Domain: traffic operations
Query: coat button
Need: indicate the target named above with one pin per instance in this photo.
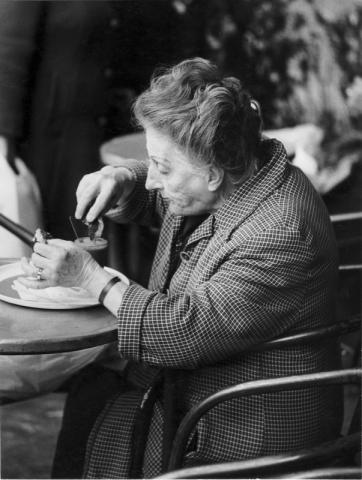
(185, 256)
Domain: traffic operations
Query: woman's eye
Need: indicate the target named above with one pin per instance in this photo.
(161, 168)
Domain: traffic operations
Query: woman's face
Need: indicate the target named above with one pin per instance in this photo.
(189, 188)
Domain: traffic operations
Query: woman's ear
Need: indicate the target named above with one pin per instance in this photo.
(215, 178)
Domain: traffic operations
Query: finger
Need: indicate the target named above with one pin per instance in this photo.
(47, 250)
(27, 268)
(59, 243)
(40, 262)
(35, 284)
(83, 206)
(83, 184)
(101, 204)
(37, 273)
(86, 199)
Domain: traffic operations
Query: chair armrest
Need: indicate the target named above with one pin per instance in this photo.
(294, 382)
(335, 330)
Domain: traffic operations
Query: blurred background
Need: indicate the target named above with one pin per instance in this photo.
(301, 59)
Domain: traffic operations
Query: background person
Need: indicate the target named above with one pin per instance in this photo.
(246, 253)
(69, 72)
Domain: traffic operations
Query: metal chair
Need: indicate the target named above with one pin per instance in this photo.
(310, 336)
(320, 455)
(328, 473)
(348, 231)
(350, 325)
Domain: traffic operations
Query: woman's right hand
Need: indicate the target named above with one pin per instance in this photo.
(100, 191)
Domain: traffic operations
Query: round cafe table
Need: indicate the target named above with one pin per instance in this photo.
(25, 330)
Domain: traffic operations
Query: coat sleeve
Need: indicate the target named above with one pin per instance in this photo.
(255, 295)
(18, 27)
(142, 207)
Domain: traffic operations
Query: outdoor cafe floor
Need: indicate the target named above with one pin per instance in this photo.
(29, 431)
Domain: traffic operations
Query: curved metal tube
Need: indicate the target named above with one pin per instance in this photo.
(294, 382)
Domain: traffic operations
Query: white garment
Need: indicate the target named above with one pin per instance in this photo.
(20, 201)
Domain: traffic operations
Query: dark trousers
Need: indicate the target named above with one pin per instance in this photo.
(88, 393)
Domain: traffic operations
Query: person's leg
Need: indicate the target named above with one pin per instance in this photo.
(88, 394)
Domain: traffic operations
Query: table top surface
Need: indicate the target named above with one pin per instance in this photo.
(25, 330)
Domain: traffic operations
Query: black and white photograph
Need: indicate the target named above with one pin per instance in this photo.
(180, 239)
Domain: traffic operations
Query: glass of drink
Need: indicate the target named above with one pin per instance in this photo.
(97, 247)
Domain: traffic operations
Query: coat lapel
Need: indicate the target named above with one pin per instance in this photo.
(161, 264)
(204, 230)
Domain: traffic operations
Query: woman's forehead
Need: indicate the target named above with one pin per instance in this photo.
(158, 144)
(162, 147)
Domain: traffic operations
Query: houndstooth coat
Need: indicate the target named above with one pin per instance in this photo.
(262, 266)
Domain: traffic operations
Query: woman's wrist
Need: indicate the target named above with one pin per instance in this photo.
(106, 289)
(114, 296)
(113, 291)
(97, 281)
(127, 179)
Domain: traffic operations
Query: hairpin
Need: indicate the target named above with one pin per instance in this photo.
(254, 105)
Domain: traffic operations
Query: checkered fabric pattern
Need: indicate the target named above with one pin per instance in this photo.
(263, 265)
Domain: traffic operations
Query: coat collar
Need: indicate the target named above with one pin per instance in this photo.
(204, 230)
(242, 203)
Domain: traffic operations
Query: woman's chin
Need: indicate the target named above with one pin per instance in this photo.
(184, 211)
(177, 209)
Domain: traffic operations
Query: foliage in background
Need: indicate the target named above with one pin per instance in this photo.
(299, 58)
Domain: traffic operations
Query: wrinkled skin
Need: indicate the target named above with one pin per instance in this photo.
(61, 264)
(99, 191)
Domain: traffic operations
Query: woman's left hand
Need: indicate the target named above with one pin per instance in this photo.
(58, 263)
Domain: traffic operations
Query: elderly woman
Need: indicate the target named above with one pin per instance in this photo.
(246, 253)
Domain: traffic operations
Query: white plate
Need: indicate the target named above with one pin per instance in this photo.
(8, 273)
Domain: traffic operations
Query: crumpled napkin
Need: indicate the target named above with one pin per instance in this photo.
(64, 295)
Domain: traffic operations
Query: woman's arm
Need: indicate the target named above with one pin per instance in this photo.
(256, 294)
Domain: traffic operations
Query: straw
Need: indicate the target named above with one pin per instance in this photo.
(73, 227)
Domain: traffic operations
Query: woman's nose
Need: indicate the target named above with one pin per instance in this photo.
(153, 178)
